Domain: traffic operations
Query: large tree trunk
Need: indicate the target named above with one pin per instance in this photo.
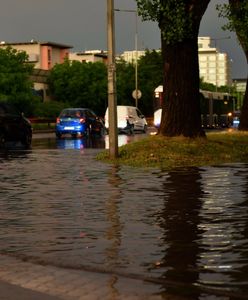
(243, 125)
(234, 7)
(181, 106)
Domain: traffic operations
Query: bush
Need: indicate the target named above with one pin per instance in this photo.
(50, 109)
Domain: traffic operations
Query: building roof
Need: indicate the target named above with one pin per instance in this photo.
(104, 55)
(45, 43)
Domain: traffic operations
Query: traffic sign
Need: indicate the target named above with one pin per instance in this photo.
(139, 94)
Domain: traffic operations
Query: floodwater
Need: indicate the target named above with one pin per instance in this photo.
(185, 230)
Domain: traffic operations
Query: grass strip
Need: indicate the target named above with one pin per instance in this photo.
(170, 152)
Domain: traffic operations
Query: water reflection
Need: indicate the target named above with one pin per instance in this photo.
(179, 219)
(186, 229)
(124, 139)
(224, 242)
(80, 143)
(113, 231)
(205, 234)
(94, 142)
(10, 154)
(47, 141)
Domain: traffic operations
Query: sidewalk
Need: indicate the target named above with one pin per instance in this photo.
(21, 280)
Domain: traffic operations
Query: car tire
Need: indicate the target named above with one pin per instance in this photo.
(58, 135)
(27, 140)
(101, 132)
(145, 129)
(87, 132)
(131, 130)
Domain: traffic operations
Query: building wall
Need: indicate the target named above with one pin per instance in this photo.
(32, 50)
(88, 57)
(44, 56)
(130, 56)
(214, 66)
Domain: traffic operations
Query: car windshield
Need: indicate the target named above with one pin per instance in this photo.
(72, 113)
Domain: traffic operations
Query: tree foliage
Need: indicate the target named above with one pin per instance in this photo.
(125, 82)
(80, 84)
(85, 84)
(150, 76)
(236, 12)
(176, 18)
(15, 83)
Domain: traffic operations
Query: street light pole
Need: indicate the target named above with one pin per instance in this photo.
(112, 102)
(136, 58)
(136, 50)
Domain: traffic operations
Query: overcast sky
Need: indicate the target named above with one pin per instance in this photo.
(82, 24)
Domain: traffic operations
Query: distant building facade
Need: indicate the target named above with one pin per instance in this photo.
(89, 56)
(130, 56)
(214, 66)
(44, 56)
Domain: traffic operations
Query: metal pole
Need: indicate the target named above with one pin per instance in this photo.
(136, 59)
(112, 102)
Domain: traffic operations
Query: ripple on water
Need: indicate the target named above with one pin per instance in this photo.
(187, 225)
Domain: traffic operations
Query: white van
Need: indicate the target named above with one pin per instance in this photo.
(129, 119)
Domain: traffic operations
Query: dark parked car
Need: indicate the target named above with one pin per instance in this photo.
(14, 127)
(78, 122)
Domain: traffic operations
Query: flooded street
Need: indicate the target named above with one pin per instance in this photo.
(185, 230)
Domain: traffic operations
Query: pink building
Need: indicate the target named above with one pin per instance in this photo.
(44, 56)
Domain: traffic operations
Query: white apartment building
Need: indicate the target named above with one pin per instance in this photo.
(89, 56)
(214, 66)
(130, 56)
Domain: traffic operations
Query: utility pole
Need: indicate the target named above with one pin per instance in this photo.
(136, 58)
(112, 102)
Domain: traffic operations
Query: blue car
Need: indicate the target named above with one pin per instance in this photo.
(78, 122)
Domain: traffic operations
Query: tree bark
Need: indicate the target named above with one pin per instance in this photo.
(243, 125)
(181, 106)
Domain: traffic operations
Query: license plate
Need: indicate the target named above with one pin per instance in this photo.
(68, 128)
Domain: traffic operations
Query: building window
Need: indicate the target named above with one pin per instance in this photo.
(49, 55)
(212, 57)
(212, 77)
(203, 65)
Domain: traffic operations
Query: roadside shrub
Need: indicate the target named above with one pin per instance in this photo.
(49, 109)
